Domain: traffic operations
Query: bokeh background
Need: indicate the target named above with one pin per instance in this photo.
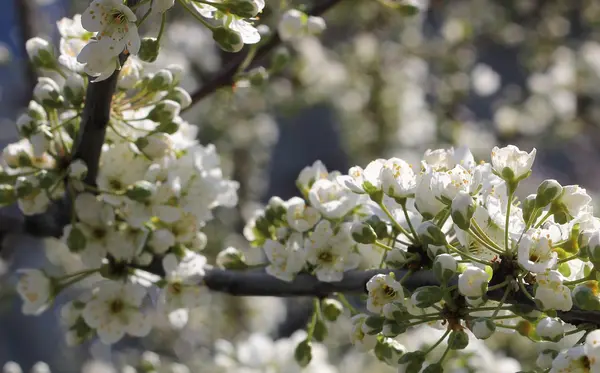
(376, 84)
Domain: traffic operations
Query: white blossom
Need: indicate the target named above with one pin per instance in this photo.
(285, 261)
(535, 252)
(299, 216)
(331, 199)
(330, 251)
(383, 289)
(115, 310)
(473, 282)
(36, 290)
(518, 162)
(551, 292)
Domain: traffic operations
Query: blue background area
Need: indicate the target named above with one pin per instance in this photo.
(14, 92)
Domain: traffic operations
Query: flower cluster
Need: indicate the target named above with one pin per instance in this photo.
(460, 220)
(155, 189)
(96, 41)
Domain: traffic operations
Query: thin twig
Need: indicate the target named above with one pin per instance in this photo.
(226, 76)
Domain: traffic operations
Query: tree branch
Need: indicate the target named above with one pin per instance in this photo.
(226, 76)
(259, 283)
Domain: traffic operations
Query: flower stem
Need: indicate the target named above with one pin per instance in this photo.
(383, 246)
(396, 225)
(438, 342)
(468, 256)
(544, 218)
(347, 304)
(504, 297)
(313, 321)
(511, 192)
(163, 22)
(412, 229)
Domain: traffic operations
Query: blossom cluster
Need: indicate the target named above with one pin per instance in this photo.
(457, 218)
(108, 30)
(155, 189)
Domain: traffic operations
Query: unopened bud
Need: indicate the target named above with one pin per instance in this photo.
(74, 89)
(149, 49)
(229, 40)
(141, 191)
(444, 267)
(181, 96)
(331, 309)
(548, 191)
(363, 233)
(427, 296)
(482, 328)
(41, 53)
(164, 112)
(458, 340)
(47, 93)
(431, 234)
(303, 353)
(463, 209)
(231, 258)
(161, 81)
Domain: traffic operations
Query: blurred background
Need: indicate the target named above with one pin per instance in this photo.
(376, 84)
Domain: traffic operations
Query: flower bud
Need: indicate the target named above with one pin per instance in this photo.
(593, 247)
(231, 258)
(25, 186)
(243, 8)
(458, 340)
(315, 25)
(150, 361)
(482, 328)
(363, 233)
(177, 71)
(389, 350)
(46, 180)
(434, 368)
(181, 96)
(381, 228)
(320, 331)
(149, 49)
(281, 57)
(168, 127)
(550, 329)
(258, 76)
(413, 361)
(8, 194)
(396, 311)
(161, 81)
(444, 267)
(331, 309)
(198, 243)
(525, 328)
(16, 155)
(141, 191)
(548, 191)
(76, 240)
(392, 328)
(37, 111)
(74, 89)
(373, 325)
(47, 93)
(585, 296)
(292, 25)
(229, 40)
(398, 258)
(463, 209)
(431, 234)
(529, 206)
(303, 353)
(164, 112)
(155, 146)
(427, 296)
(26, 125)
(41, 53)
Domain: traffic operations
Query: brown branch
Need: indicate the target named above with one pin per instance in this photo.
(259, 283)
(226, 76)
